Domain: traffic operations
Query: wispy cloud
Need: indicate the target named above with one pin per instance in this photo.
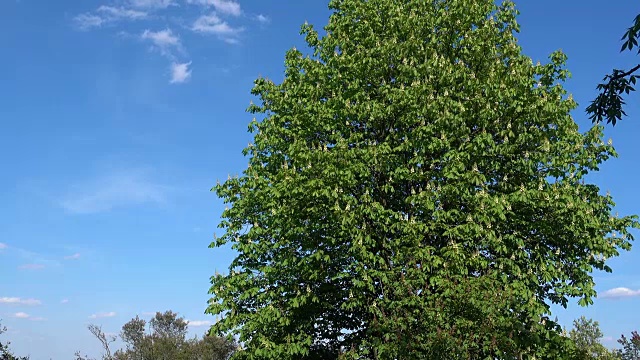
(168, 44)
(87, 21)
(263, 19)
(31, 267)
(107, 14)
(19, 301)
(619, 292)
(23, 315)
(64, 301)
(119, 189)
(102, 315)
(116, 13)
(119, 14)
(214, 25)
(3, 246)
(152, 4)
(180, 72)
(227, 7)
(165, 40)
(75, 256)
(198, 323)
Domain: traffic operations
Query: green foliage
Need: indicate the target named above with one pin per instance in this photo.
(587, 336)
(416, 190)
(169, 325)
(609, 102)
(133, 334)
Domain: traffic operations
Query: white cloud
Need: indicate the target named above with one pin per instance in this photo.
(64, 301)
(23, 315)
(167, 42)
(72, 257)
(19, 301)
(102, 315)
(119, 189)
(121, 13)
(619, 292)
(3, 246)
(31, 267)
(180, 72)
(157, 4)
(263, 19)
(197, 323)
(163, 38)
(228, 7)
(212, 24)
(107, 14)
(88, 21)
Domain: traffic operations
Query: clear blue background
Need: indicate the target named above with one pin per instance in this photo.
(106, 164)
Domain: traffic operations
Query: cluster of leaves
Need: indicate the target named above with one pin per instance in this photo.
(416, 189)
(609, 102)
(5, 352)
(165, 339)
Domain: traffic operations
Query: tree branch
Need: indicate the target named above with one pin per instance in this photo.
(626, 73)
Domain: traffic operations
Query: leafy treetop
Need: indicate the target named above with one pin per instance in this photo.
(416, 189)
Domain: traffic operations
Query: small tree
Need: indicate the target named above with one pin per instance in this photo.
(587, 336)
(415, 190)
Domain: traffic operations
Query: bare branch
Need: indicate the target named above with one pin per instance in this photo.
(103, 338)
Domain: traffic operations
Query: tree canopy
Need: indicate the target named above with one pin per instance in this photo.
(416, 189)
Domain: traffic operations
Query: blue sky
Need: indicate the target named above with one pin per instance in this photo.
(119, 115)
